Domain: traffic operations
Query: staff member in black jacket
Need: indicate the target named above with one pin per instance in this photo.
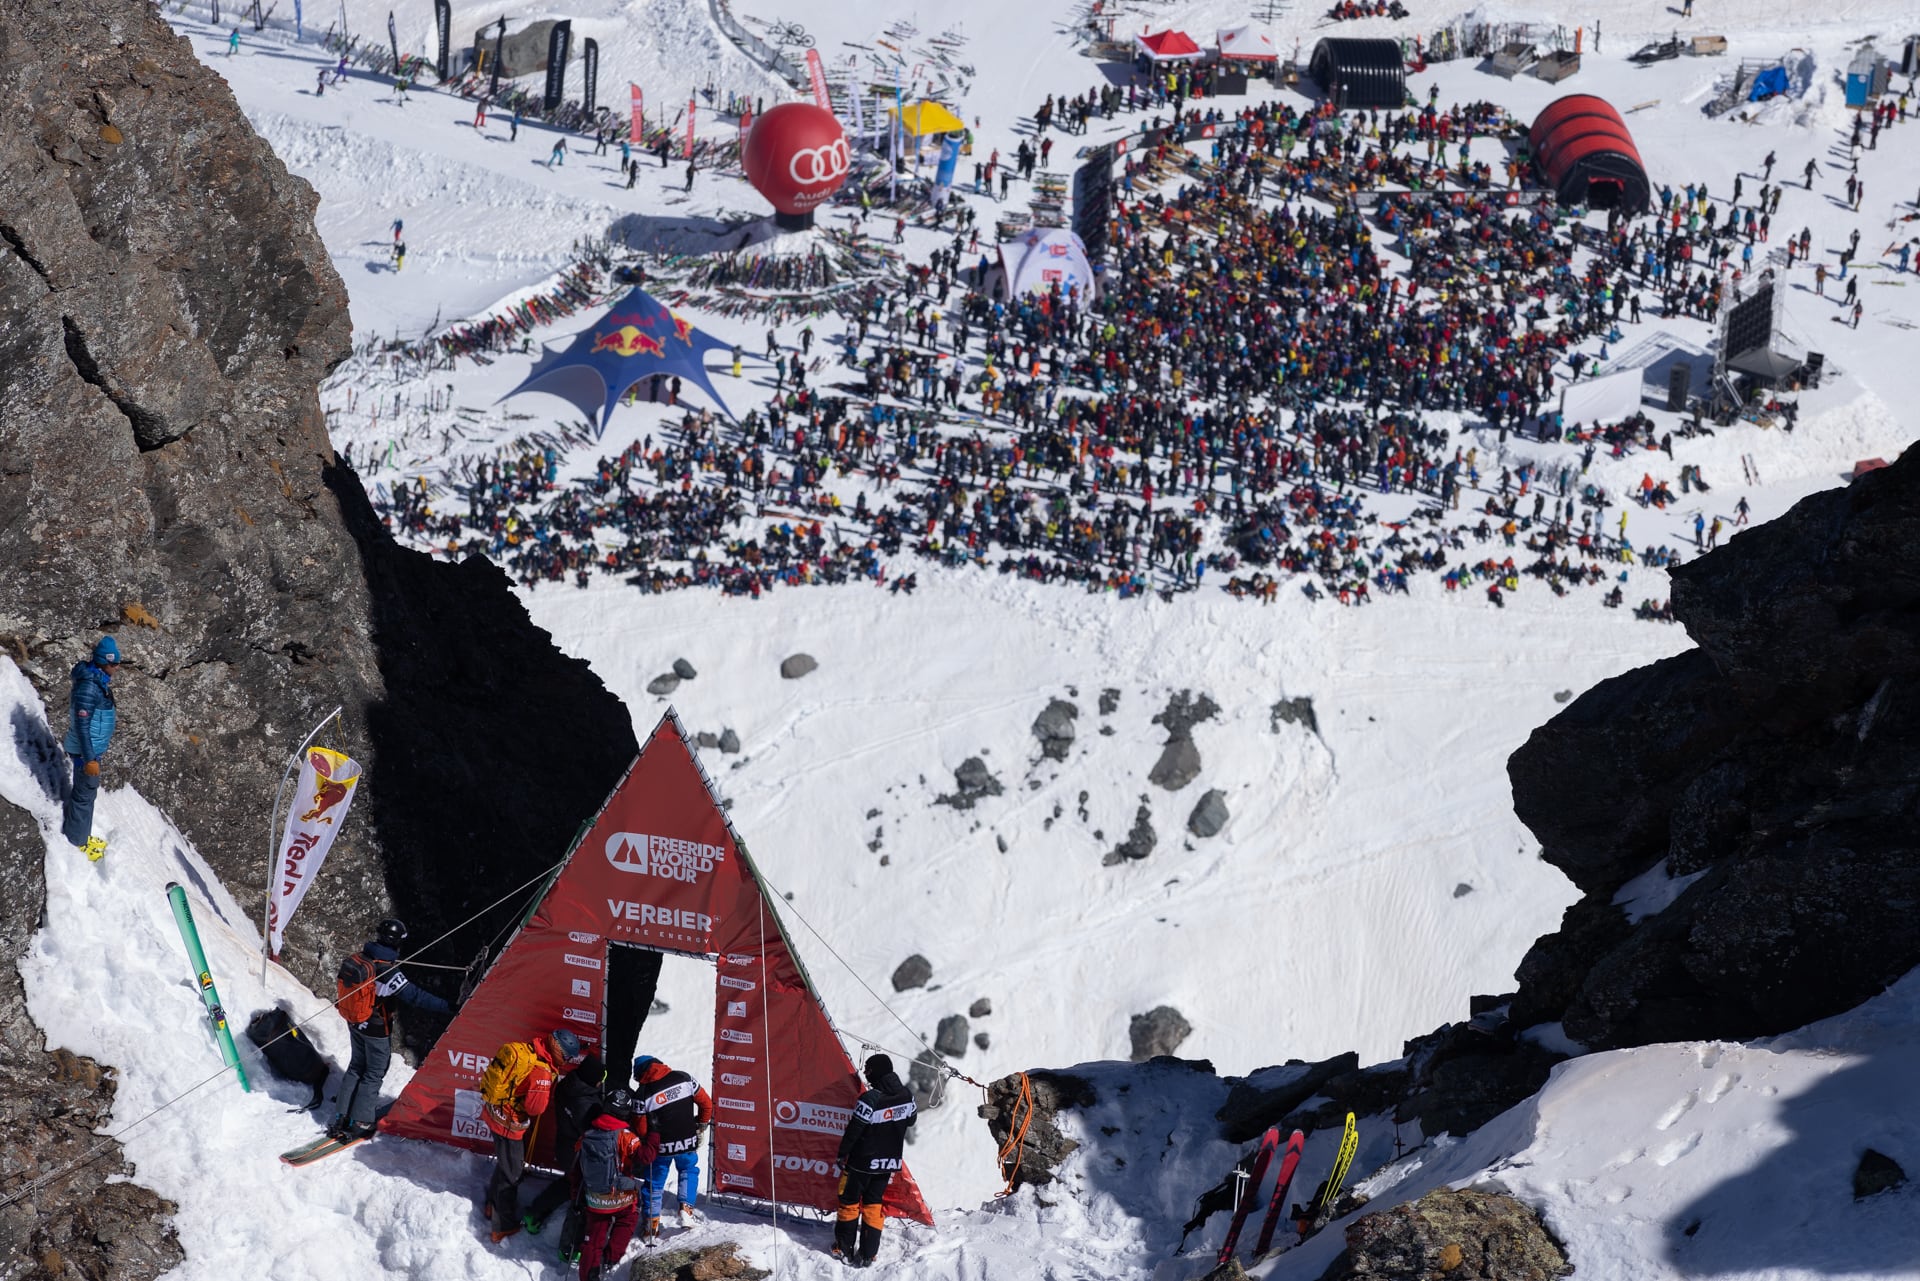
(869, 1154)
(578, 1098)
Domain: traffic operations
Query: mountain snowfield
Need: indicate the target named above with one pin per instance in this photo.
(1327, 915)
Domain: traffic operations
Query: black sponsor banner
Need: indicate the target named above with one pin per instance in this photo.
(559, 44)
(590, 72)
(499, 50)
(443, 23)
(1093, 203)
(393, 38)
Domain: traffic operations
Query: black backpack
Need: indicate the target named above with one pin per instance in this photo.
(288, 1052)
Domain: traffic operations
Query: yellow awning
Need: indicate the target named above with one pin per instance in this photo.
(925, 117)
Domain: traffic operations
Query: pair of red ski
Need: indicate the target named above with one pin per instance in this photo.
(1269, 1144)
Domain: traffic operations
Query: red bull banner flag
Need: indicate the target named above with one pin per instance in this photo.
(328, 781)
(634, 130)
(693, 107)
(661, 868)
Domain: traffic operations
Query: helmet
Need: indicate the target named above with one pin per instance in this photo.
(566, 1046)
(391, 933)
(641, 1064)
(618, 1103)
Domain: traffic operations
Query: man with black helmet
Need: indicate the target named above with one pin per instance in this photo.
(674, 1109)
(614, 1184)
(369, 982)
(870, 1149)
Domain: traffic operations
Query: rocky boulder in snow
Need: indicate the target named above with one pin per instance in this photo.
(720, 1262)
(1210, 815)
(972, 782)
(1139, 843)
(1463, 1234)
(951, 1038)
(684, 670)
(912, 972)
(794, 666)
(1776, 760)
(1054, 728)
(1158, 1031)
(663, 684)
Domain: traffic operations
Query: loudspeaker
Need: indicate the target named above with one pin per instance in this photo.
(1816, 363)
(1679, 384)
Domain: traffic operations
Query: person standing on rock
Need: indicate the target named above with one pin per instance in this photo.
(89, 731)
(870, 1153)
(370, 982)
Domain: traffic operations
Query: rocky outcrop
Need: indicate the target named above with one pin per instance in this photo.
(1159, 1031)
(1054, 728)
(1464, 1234)
(166, 314)
(86, 1220)
(722, 1262)
(1777, 760)
(1029, 1116)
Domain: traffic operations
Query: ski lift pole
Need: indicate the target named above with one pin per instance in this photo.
(183, 916)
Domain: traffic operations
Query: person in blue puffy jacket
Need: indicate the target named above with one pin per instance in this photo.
(89, 731)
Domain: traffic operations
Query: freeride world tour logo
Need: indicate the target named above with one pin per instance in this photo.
(666, 857)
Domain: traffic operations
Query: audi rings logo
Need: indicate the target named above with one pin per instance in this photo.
(813, 166)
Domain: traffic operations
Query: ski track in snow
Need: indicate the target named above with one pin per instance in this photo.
(1329, 895)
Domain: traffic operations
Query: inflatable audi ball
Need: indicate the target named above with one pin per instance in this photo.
(796, 156)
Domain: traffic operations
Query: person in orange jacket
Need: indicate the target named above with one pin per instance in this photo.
(516, 1088)
(614, 1167)
(673, 1109)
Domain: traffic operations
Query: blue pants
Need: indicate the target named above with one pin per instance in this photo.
(76, 820)
(689, 1163)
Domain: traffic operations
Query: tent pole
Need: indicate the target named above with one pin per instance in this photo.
(766, 1048)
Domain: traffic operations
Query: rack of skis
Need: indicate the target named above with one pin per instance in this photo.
(1240, 1191)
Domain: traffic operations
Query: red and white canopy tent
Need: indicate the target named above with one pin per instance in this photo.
(1167, 46)
(1246, 44)
(661, 868)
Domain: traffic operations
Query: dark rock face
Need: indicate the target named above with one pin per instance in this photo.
(1263, 1098)
(1043, 1148)
(1466, 1234)
(166, 314)
(1293, 711)
(1179, 764)
(1139, 843)
(794, 666)
(53, 1106)
(1159, 1031)
(1779, 759)
(1054, 728)
(721, 1262)
(971, 782)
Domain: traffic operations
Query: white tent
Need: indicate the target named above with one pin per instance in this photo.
(1246, 44)
(1034, 261)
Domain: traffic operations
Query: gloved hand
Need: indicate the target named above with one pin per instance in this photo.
(93, 769)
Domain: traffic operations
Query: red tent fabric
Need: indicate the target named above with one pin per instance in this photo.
(1168, 46)
(1866, 465)
(661, 868)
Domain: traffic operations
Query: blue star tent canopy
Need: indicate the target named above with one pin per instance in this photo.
(636, 339)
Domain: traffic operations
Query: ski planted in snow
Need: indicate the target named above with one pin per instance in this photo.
(1276, 1204)
(1249, 1188)
(1330, 1193)
(324, 1146)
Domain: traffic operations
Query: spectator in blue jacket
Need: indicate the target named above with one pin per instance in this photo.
(89, 731)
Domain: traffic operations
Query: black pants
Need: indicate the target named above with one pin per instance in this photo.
(503, 1190)
(859, 1219)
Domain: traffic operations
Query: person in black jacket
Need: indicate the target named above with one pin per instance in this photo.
(376, 965)
(580, 1096)
(870, 1150)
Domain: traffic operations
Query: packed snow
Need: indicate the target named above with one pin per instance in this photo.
(1372, 874)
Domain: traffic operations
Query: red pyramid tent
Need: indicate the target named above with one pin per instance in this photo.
(1168, 46)
(661, 868)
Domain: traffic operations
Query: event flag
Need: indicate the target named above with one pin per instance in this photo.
(693, 109)
(635, 130)
(328, 781)
(818, 75)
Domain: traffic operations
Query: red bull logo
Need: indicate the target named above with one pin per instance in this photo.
(628, 341)
(329, 793)
(682, 329)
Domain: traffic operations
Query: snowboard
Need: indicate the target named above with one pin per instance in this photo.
(324, 1146)
(1269, 1142)
(1281, 1182)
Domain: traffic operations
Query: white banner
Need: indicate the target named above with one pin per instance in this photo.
(1609, 399)
(328, 781)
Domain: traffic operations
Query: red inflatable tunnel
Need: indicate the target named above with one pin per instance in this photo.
(1581, 147)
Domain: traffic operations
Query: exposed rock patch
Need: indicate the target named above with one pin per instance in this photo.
(1465, 1234)
(1044, 1147)
(1210, 815)
(794, 666)
(972, 782)
(1159, 1031)
(1054, 728)
(912, 972)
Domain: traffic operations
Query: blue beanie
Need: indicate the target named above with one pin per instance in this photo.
(641, 1064)
(106, 651)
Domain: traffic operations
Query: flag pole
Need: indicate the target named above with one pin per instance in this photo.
(273, 825)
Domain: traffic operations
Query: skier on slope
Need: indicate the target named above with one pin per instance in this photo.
(615, 1190)
(579, 1096)
(369, 983)
(870, 1149)
(517, 1087)
(673, 1108)
(90, 724)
